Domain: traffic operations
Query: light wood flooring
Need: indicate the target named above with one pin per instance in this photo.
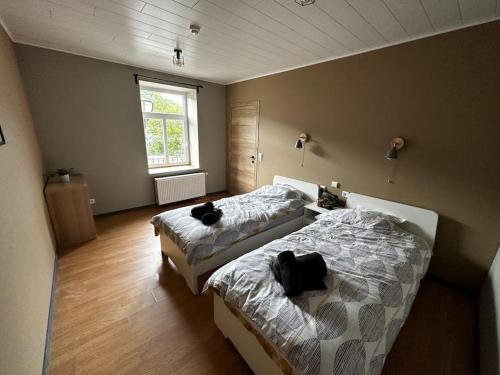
(120, 310)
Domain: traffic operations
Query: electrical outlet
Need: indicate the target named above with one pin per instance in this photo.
(345, 194)
(92, 201)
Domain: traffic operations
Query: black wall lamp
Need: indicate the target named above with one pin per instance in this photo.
(2, 139)
(396, 144)
(301, 140)
(392, 154)
(300, 144)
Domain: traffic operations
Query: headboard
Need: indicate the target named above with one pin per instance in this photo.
(419, 221)
(310, 190)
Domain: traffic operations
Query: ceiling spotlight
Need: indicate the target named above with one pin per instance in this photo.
(305, 2)
(195, 29)
(178, 59)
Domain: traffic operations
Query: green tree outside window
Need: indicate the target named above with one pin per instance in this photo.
(166, 104)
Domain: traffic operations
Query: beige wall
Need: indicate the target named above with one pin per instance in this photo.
(489, 321)
(442, 94)
(88, 116)
(26, 248)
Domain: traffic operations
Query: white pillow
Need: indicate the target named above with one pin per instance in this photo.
(363, 218)
(291, 192)
(282, 190)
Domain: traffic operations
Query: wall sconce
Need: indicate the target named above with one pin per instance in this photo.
(396, 145)
(300, 144)
(301, 140)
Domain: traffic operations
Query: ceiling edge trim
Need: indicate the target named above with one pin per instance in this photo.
(20, 41)
(472, 24)
(424, 36)
(7, 30)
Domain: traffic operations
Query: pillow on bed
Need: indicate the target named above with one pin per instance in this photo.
(363, 218)
(291, 192)
(286, 191)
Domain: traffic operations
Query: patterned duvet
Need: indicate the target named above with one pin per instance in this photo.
(243, 215)
(373, 277)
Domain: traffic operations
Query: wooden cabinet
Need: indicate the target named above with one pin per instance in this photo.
(70, 212)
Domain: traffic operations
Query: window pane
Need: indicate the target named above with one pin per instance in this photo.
(155, 141)
(160, 102)
(177, 142)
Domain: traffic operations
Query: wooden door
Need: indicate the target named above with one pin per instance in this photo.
(243, 143)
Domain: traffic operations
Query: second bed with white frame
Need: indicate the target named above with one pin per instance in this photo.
(191, 272)
(255, 349)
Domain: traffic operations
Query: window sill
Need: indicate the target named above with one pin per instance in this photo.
(173, 170)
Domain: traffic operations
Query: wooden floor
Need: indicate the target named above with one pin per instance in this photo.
(120, 310)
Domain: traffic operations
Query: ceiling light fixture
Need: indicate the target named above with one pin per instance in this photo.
(195, 29)
(178, 59)
(305, 2)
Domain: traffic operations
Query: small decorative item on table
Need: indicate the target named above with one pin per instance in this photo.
(64, 174)
(58, 175)
(328, 200)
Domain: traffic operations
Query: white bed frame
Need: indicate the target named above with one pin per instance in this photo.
(418, 221)
(191, 273)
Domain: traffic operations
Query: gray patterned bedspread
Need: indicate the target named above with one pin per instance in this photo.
(373, 277)
(243, 215)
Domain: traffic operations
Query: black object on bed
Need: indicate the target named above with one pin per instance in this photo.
(198, 211)
(298, 274)
(211, 217)
(207, 213)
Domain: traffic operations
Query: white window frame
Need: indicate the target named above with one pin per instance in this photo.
(169, 116)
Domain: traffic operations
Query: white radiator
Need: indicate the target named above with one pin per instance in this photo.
(178, 188)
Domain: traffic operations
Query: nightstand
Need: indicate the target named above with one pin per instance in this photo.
(312, 210)
(70, 212)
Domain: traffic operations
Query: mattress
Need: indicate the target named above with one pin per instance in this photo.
(243, 216)
(373, 277)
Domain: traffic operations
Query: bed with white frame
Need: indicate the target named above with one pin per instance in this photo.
(259, 353)
(191, 272)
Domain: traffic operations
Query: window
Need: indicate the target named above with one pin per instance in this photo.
(166, 124)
